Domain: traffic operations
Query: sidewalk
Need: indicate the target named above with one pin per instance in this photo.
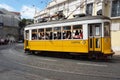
(117, 53)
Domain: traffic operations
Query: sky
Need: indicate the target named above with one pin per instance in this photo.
(25, 7)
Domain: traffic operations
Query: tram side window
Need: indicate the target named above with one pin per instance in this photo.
(41, 35)
(66, 32)
(77, 32)
(57, 33)
(34, 34)
(106, 29)
(48, 34)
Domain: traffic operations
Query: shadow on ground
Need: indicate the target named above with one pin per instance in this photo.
(62, 55)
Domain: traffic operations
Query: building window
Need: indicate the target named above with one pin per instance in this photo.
(115, 8)
(89, 9)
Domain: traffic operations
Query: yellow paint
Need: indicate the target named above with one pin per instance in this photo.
(78, 46)
(59, 45)
(91, 48)
(26, 44)
(94, 44)
(106, 45)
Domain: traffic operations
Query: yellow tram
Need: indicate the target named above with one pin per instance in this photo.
(85, 35)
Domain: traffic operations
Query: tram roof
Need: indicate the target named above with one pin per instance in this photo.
(70, 20)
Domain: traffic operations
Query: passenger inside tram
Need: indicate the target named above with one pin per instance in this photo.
(78, 35)
(51, 35)
(68, 35)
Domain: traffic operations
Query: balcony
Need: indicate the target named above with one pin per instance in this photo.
(40, 13)
(54, 3)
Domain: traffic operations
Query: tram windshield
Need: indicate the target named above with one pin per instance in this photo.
(27, 34)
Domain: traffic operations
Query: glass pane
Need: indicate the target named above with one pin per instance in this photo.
(34, 36)
(47, 36)
(89, 9)
(91, 29)
(67, 35)
(119, 10)
(98, 43)
(27, 34)
(97, 31)
(77, 34)
(57, 28)
(48, 29)
(57, 35)
(41, 30)
(34, 30)
(77, 27)
(41, 36)
(106, 29)
(67, 28)
(115, 8)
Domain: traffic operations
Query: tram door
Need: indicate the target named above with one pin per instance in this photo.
(95, 37)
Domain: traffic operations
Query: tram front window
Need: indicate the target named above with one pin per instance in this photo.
(27, 34)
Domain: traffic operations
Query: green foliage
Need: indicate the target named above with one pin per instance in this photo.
(25, 22)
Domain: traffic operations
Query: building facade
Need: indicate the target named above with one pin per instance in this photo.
(66, 9)
(114, 13)
(9, 24)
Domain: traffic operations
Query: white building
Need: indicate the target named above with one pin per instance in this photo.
(69, 8)
(9, 24)
(60, 9)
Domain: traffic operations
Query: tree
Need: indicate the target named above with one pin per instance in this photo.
(24, 22)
